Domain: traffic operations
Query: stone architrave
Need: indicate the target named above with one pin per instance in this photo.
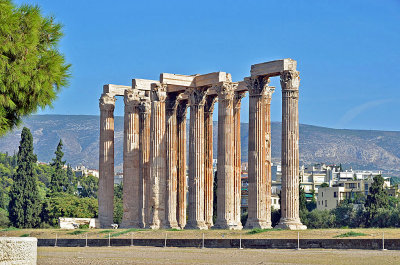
(172, 174)
(237, 167)
(106, 161)
(131, 217)
(257, 198)
(144, 164)
(181, 164)
(208, 160)
(158, 157)
(267, 99)
(197, 98)
(225, 164)
(290, 218)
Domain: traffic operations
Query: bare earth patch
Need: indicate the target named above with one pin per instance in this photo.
(154, 255)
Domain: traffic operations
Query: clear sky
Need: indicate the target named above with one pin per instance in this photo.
(348, 51)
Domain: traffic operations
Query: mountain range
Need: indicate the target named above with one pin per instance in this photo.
(359, 149)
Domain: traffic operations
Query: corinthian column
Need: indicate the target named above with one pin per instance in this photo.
(257, 198)
(130, 217)
(237, 168)
(196, 160)
(172, 140)
(106, 161)
(181, 123)
(225, 219)
(157, 157)
(144, 164)
(267, 106)
(290, 218)
(209, 174)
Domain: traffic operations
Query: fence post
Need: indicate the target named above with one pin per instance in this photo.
(298, 241)
(55, 244)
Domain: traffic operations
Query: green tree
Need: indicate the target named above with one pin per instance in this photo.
(24, 207)
(67, 205)
(89, 186)
(118, 204)
(58, 181)
(376, 199)
(71, 181)
(32, 70)
(324, 185)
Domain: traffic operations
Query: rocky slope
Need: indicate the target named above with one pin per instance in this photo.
(360, 149)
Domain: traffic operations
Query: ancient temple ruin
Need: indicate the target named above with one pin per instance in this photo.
(155, 184)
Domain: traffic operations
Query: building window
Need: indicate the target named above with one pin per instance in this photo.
(335, 194)
(322, 203)
(326, 203)
(319, 203)
(322, 194)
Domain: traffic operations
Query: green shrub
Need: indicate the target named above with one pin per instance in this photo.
(84, 226)
(77, 232)
(24, 235)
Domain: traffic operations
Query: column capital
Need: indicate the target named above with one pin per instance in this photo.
(158, 92)
(237, 100)
(225, 90)
(268, 94)
(131, 100)
(290, 80)
(210, 103)
(182, 110)
(256, 85)
(197, 96)
(107, 102)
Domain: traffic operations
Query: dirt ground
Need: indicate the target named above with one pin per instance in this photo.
(154, 255)
(390, 233)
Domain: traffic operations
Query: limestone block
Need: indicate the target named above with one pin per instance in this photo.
(115, 90)
(73, 223)
(177, 80)
(18, 250)
(273, 68)
(143, 84)
(212, 78)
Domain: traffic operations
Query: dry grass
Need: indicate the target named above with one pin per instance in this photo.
(136, 233)
(154, 255)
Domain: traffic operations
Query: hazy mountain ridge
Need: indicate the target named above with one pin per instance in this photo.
(361, 149)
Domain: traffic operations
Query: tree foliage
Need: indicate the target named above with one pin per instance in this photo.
(67, 205)
(24, 207)
(89, 186)
(376, 199)
(58, 181)
(32, 70)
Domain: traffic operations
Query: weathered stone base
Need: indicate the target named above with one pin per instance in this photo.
(225, 226)
(290, 225)
(171, 225)
(196, 225)
(262, 224)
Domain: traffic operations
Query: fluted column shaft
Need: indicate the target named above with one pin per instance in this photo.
(290, 218)
(267, 100)
(208, 152)
(257, 150)
(172, 174)
(130, 217)
(196, 160)
(182, 185)
(106, 161)
(157, 157)
(144, 150)
(225, 164)
(237, 188)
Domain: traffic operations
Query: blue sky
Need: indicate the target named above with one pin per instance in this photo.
(347, 51)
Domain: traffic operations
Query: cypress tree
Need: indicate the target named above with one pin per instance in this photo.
(24, 207)
(70, 180)
(58, 181)
(377, 199)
